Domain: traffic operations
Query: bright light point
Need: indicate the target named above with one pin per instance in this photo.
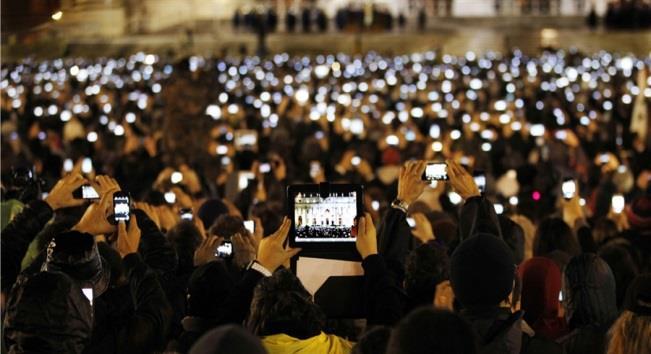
(91, 137)
(222, 150)
(119, 130)
(232, 109)
(535, 195)
(582, 202)
(170, 197)
(214, 111)
(375, 205)
(486, 147)
(435, 131)
(455, 134)
(513, 200)
(130, 117)
(417, 112)
(176, 177)
(302, 95)
(392, 140)
(57, 15)
(454, 198)
(437, 146)
(499, 208)
(475, 84)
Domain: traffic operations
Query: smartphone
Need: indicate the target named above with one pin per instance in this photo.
(499, 208)
(86, 165)
(249, 225)
(243, 179)
(246, 139)
(537, 130)
(392, 140)
(121, 206)
(170, 197)
(186, 214)
(85, 192)
(480, 180)
(618, 203)
(435, 171)
(225, 250)
(560, 296)
(88, 293)
(265, 167)
(355, 161)
(68, 165)
(604, 158)
(568, 188)
(176, 177)
(411, 222)
(315, 169)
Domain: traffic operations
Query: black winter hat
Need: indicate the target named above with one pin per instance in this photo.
(47, 313)
(75, 254)
(638, 295)
(228, 339)
(208, 287)
(482, 270)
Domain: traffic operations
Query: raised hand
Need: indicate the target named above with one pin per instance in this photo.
(206, 251)
(366, 242)
(271, 253)
(423, 230)
(461, 181)
(61, 194)
(95, 219)
(410, 184)
(128, 237)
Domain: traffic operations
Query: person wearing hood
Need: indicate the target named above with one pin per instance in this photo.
(541, 286)
(590, 303)
(482, 275)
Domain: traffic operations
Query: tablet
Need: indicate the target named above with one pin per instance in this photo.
(323, 216)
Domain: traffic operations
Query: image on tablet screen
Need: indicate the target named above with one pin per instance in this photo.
(329, 219)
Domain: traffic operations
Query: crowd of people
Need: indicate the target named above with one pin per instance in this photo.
(628, 14)
(517, 268)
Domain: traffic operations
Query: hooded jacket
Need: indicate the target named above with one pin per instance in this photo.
(47, 313)
(319, 344)
(541, 285)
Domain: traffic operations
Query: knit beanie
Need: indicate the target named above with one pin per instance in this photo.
(482, 271)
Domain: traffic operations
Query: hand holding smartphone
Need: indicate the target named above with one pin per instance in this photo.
(568, 188)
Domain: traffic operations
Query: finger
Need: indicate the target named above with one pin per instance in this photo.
(281, 235)
(292, 252)
(122, 228)
(369, 222)
(361, 227)
(133, 223)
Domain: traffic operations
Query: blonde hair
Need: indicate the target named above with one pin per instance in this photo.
(631, 333)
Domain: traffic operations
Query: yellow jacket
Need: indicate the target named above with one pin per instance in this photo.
(321, 344)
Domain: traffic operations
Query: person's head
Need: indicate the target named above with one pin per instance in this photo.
(425, 267)
(603, 230)
(631, 332)
(430, 331)
(209, 285)
(374, 341)
(639, 213)
(528, 231)
(622, 264)
(229, 339)
(589, 296)
(482, 272)
(184, 237)
(554, 234)
(513, 235)
(76, 254)
(47, 313)
(210, 210)
(270, 214)
(228, 225)
(541, 285)
(282, 305)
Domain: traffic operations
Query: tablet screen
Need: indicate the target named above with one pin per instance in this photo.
(329, 219)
